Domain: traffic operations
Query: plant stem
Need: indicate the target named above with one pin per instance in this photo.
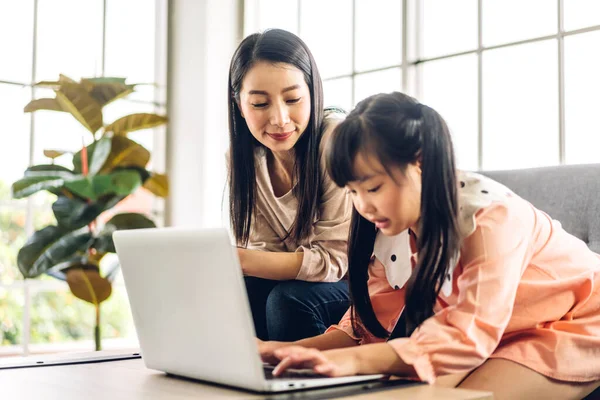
(97, 336)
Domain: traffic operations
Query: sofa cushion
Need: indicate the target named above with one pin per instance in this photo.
(568, 193)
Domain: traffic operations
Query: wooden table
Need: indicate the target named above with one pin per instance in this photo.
(129, 379)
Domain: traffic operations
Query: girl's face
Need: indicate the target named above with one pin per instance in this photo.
(275, 102)
(391, 202)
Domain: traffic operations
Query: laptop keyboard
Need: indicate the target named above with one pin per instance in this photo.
(291, 374)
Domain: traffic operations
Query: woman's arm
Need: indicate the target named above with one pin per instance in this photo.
(278, 266)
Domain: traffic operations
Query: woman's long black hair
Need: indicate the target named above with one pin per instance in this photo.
(398, 131)
(273, 46)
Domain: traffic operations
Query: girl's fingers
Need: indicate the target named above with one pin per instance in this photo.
(300, 358)
(286, 351)
(282, 366)
(325, 369)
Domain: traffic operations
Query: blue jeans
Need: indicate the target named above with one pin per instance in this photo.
(293, 310)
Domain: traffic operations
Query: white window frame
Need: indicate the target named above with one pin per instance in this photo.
(412, 45)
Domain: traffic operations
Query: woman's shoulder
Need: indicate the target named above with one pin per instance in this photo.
(332, 116)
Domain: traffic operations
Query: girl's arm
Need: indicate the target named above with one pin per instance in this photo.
(379, 358)
(387, 304)
(334, 339)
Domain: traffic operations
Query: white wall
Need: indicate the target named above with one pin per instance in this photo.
(203, 36)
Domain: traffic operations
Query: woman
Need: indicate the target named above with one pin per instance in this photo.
(290, 221)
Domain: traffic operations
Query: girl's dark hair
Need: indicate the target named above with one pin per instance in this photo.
(273, 46)
(398, 131)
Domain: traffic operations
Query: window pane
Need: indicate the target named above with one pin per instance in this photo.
(378, 34)
(338, 93)
(581, 14)
(326, 26)
(372, 83)
(69, 39)
(450, 87)
(130, 44)
(12, 232)
(16, 31)
(14, 135)
(449, 26)
(278, 14)
(582, 85)
(513, 20)
(520, 106)
(58, 316)
(11, 316)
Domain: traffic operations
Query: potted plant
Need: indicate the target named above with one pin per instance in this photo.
(104, 173)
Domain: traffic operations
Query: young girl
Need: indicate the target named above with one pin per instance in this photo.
(289, 219)
(452, 276)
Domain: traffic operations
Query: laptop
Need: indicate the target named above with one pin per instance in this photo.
(191, 312)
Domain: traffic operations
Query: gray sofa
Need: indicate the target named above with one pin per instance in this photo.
(568, 193)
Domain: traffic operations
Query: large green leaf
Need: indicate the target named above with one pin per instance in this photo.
(91, 150)
(55, 84)
(105, 79)
(27, 186)
(104, 241)
(121, 183)
(101, 152)
(54, 153)
(74, 213)
(49, 170)
(77, 261)
(50, 246)
(107, 90)
(130, 221)
(143, 172)
(49, 104)
(88, 285)
(83, 187)
(157, 184)
(135, 122)
(49, 177)
(126, 153)
(73, 98)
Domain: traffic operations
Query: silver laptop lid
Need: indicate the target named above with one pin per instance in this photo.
(189, 304)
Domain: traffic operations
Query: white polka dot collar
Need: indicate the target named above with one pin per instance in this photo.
(475, 193)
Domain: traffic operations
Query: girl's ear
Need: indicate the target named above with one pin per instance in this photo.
(418, 165)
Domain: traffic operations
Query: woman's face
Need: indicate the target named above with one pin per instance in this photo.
(391, 202)
(275, 102)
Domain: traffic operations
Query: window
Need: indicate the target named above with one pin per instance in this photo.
(516, 80)
(98, 38)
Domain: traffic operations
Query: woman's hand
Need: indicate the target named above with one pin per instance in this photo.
(242, 253)
(338, 362)
(267, 350)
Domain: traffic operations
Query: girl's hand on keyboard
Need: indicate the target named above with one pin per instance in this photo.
(267, 349)
(338, 362)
